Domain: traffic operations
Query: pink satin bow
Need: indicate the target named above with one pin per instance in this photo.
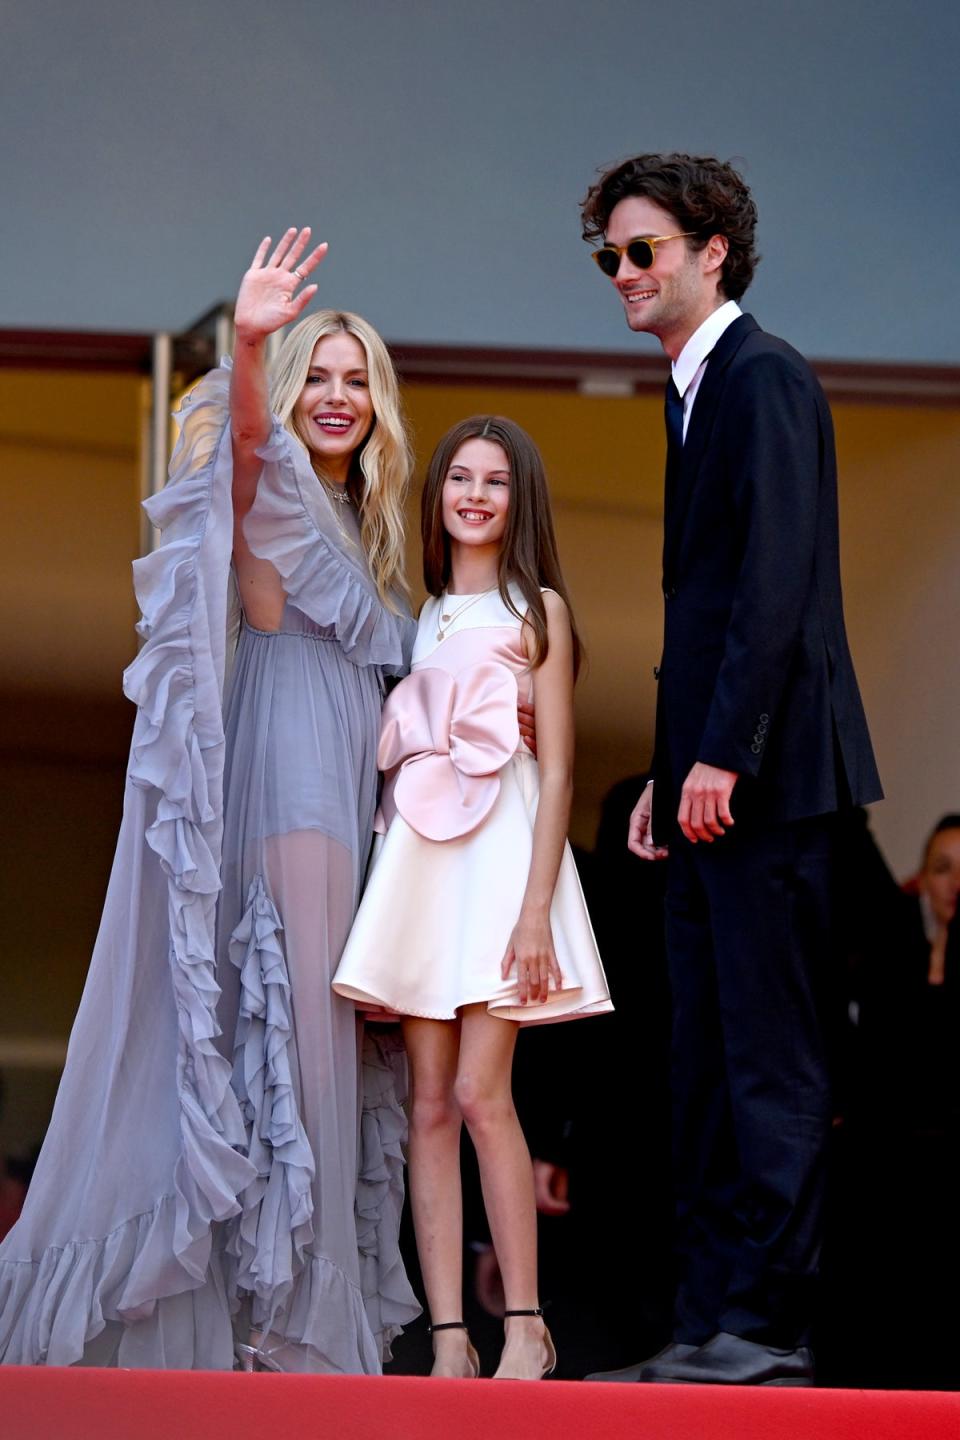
(450, 735)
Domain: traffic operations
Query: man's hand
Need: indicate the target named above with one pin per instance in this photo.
(551, 1188)
(640, 833)
(704, 812)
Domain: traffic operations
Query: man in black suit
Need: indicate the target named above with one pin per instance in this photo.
(760, 740)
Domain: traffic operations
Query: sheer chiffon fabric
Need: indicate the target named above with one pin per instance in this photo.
(225, 1150)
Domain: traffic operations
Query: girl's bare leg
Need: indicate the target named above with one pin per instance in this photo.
(484, 1095)
(435, 1195)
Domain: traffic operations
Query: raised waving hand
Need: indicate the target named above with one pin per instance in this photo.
(269, 296)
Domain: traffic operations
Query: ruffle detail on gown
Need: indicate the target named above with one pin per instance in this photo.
(295, 1291)
(292, 524)
(277, 1220)
(372, 1316)
(326, 1327)
(62, 1301)
(390, 1302)
(177, 755)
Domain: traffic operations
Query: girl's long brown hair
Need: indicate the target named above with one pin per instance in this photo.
(528, 551)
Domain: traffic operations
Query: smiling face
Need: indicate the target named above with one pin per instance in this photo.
(940, 877)
(476, 494)
(679, 291)
(334, 413)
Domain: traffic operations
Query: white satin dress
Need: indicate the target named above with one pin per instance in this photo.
(460, 798)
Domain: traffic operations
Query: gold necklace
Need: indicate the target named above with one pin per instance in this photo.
(445, 621)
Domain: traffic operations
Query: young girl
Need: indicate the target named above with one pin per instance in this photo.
(473, 921)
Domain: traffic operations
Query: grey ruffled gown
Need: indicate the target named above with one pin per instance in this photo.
(225, 1149)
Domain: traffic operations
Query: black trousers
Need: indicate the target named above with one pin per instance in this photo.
(748, 933)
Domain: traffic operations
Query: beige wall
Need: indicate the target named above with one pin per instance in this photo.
(900, 522)
(69, 455)
(69, 481)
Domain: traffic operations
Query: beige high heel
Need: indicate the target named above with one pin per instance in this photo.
(551, 1349)
(473, 1359)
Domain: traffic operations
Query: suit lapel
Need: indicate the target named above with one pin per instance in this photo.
(681, 478)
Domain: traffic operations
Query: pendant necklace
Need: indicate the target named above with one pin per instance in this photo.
(339, 494)
(446, 620)
(341, 502)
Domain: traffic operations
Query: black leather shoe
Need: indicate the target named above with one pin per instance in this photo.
(730, 1360)
(630, 1374)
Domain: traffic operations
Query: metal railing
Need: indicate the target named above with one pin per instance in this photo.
(176, 362)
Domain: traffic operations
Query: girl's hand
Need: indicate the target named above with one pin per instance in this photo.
(531, 950)
(266, 299)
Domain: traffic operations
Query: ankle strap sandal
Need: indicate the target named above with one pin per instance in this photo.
(473, 1359)
(551, 1353)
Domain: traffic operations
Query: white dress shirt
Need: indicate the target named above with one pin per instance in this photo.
(690, 364)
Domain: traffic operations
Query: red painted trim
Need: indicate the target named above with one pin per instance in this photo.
(606, 371)
(514, 367)
(75, 350)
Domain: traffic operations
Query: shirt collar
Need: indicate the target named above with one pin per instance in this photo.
(701, 342)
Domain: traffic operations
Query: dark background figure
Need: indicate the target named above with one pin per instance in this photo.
(908, 995)
(892, 1261)
(870, 911)
(14, 1178)
(760, 740)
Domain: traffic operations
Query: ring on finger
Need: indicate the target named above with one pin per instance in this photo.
(299, 273)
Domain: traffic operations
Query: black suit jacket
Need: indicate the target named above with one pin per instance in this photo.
(756, 674)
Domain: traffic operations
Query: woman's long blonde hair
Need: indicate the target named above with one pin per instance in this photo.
(381, 466)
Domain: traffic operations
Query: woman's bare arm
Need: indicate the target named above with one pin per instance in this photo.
(265, 302)
(531, 945)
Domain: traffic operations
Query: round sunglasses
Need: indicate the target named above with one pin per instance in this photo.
(640, 253)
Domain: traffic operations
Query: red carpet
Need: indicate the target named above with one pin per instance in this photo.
(40, 1404)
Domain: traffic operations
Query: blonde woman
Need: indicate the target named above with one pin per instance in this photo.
(223, 1172)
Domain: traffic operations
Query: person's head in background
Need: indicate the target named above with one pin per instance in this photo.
(939, 878)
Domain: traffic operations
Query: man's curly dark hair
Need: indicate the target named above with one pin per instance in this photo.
(704, 195)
